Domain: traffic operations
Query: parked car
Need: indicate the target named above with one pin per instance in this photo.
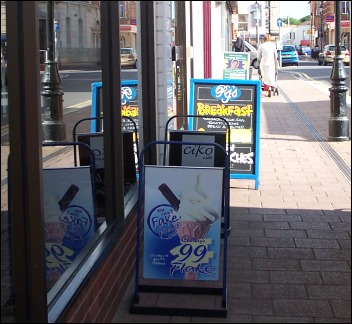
(304, 50)
(289, 55)
(253, 54)
(128, 57)
(328, 53)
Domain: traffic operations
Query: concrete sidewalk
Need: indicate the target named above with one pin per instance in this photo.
(289, 250)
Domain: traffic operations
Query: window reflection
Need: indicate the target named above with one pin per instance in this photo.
(77, 36)
(77, 41)
(6, 254)
(73, 197)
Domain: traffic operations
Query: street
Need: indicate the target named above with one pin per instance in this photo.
(76, 85)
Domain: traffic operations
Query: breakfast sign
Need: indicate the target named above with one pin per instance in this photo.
(237, 101)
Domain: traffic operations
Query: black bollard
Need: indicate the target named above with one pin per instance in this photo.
(53, 126)
(338, 122)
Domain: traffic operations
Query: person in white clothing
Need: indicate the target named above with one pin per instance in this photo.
(269, 64)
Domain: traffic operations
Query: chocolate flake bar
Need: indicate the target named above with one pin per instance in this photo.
(170, 196)
(65, 201)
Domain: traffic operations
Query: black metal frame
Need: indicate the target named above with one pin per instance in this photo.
(179, 289)
(74, 134)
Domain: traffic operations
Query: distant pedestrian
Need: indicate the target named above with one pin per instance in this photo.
(268, 63)
(238, 43)
(315, 52)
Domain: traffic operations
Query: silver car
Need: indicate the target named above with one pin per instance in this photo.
(328, 53)
(128, 57)
(253, 54)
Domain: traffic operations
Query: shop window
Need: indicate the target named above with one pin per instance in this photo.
(122, 11)
(345, 8)
(72, 225)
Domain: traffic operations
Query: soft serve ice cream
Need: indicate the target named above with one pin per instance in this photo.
(195, 205)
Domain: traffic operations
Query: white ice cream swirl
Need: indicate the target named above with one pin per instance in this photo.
(195, 205)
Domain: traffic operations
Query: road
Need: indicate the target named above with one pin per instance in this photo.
(310, 70)
(76, 85)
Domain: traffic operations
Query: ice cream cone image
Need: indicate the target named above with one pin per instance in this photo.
(196, 214)
(54, 232)
(193, 230)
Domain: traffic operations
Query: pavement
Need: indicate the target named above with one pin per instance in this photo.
(289, 249)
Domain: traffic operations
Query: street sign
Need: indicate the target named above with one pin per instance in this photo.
(56, 26)
(279, 45)
(279, 22)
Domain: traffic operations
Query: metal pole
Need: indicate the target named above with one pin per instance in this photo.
(311, 35)
(256, 22)
(338, 122)
(280, 50)
(53, 126)
(321, 27)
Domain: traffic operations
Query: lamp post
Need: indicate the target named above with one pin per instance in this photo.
(256, 22)
(53, 126)
(321, 25)
(338, 122)
(311, 35)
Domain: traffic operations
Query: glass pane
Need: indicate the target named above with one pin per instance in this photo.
(74, 190)
(7, 302)
(73, 174)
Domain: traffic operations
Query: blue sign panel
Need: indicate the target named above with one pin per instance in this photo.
(56, 26)
(238, 101)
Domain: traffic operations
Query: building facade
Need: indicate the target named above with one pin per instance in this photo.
(324, 19)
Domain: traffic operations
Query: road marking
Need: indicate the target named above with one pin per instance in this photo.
(321, 86)
(81, 104)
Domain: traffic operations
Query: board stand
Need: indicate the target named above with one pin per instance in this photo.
(240, 105)
(74, 133)
(185, 124)
(166, 135)
(173, 297)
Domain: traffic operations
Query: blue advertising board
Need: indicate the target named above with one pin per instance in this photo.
(238, 101)
(129, 105)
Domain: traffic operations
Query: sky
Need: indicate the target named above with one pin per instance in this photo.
(294, 9)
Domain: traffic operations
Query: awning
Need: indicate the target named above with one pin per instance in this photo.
(305, 42)
(128, 28)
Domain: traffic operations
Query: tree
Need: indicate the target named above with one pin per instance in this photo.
(294, 21)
